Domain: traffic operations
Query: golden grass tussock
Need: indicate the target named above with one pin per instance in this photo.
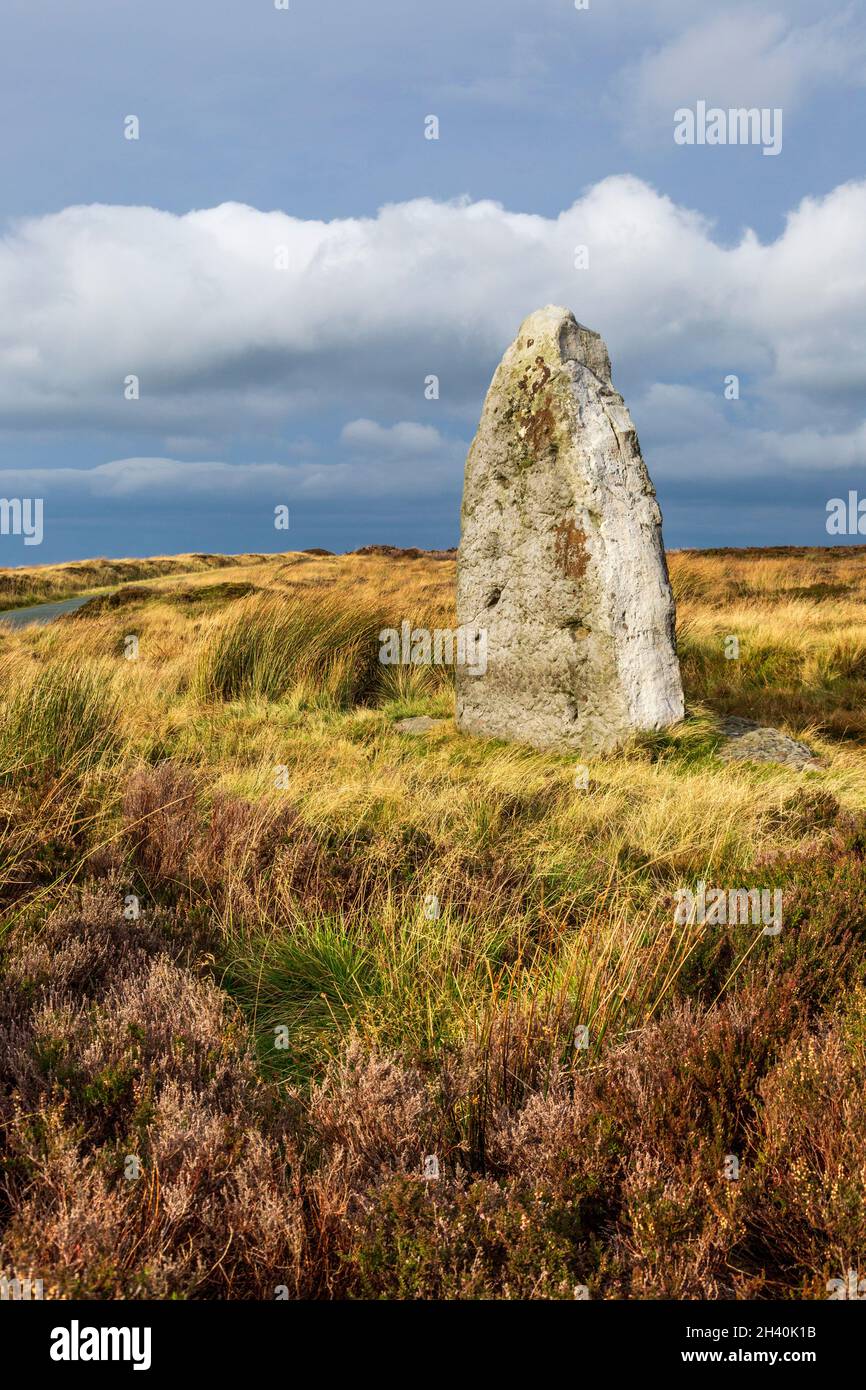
(271, 647)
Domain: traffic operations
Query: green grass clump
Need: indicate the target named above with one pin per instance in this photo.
(63, 718)
(272, 648)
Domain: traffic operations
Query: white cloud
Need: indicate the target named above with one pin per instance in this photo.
(747, 56)
(671, 411)
(404, 438)
(731, 453)
(224, 342)
(818, 450)
(164, 480)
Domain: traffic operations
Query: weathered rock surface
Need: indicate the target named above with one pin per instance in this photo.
(756, 744)
(561, 556)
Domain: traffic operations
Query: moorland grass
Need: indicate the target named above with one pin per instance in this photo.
(62, 717)
(306, 906)
(272, 647)
(23, 586)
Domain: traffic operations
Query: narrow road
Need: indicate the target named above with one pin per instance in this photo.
(43, 612)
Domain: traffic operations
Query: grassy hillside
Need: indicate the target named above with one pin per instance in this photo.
(21, 587)
(263, 954)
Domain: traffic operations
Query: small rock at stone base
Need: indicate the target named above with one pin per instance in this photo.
(755, 743)
(420, 724)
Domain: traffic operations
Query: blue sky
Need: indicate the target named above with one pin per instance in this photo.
(282, 259)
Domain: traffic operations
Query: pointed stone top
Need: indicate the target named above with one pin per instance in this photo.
(558, 328)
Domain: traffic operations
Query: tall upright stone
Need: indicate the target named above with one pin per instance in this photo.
(561, 558)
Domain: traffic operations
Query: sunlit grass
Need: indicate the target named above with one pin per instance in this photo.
(552, 897)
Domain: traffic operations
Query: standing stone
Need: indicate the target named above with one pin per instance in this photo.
(561, 557)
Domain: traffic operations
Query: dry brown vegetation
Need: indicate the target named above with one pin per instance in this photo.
(294, 909)
(44, 583)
